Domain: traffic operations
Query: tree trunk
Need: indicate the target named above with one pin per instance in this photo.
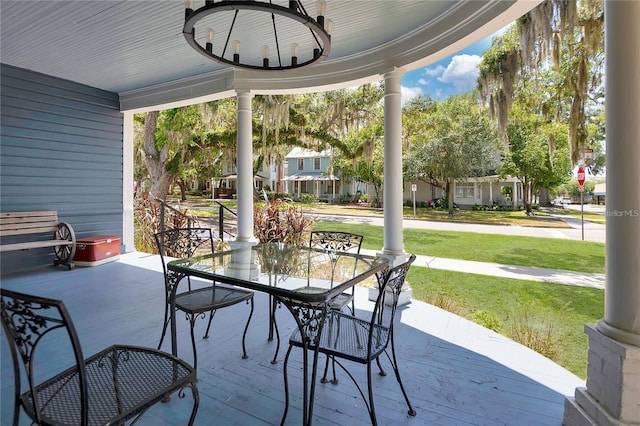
(280, 185)
(545, 197)
(154, 160)
(526, 197)
(183, 189)
(450, 188)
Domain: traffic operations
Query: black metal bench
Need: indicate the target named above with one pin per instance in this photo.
(30, 224)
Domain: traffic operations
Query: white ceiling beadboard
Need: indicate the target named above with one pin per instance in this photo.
(136, 48)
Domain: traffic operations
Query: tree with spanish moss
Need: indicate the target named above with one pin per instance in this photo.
(559, 36)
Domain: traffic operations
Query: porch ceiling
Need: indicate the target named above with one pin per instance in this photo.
(136, 48)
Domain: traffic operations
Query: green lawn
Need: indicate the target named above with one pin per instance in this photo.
(580, 256)
(552, 315)
(565, 309)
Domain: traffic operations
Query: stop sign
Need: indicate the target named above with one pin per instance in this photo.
(581, 175)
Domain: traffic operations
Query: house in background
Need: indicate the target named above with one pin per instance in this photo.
(308, 173)
(226, 185)
(599, 193)
(475, 191)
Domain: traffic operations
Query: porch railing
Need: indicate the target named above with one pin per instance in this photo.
(224, 226)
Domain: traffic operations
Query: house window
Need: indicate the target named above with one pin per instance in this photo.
(464, 190)
(300, 163)
(316, 164)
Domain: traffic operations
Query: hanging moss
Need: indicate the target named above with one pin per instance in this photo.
(542, 35)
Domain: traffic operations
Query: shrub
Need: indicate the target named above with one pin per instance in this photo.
(308, 199)
(278, 221)
(487, 319)
(146, 218)
(537, 335)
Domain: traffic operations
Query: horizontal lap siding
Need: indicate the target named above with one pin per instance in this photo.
(61, 150)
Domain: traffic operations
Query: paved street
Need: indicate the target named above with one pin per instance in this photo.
(592, 231)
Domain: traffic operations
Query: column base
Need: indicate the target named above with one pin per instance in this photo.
(405, 295)
(612, 395)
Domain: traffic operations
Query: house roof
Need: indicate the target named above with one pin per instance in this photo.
(600, 189)
(137, 49)
(310, 176)
(298, 152)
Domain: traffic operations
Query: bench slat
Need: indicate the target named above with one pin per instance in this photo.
(34, 245)
(52, 215)
(24, 223)
(39, 229)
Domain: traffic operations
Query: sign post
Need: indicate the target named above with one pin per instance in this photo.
(581, 179)
(414, 188)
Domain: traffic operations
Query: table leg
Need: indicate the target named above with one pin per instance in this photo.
(310, 321)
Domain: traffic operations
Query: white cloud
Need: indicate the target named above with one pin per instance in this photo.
(422, 82)
(462, 72)
(409, 93)
(434, 72)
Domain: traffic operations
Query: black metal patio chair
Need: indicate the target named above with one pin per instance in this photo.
(336, 241)
(116, 384)
(339, 242)
(195, 303)
(343, 337)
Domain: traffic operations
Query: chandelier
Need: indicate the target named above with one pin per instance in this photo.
(258, 35)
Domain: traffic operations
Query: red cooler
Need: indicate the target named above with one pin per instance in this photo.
(94, 251)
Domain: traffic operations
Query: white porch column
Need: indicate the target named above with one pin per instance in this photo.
(245, 168)
(392, 191)
(128, 230)
(490, 193)
(612, 394)
(514, 195)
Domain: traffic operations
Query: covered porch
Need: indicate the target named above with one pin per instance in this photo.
(456, 372)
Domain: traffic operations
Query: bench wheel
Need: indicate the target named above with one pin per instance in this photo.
(65, 253)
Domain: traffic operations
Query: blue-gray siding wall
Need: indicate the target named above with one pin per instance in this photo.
(61, 149)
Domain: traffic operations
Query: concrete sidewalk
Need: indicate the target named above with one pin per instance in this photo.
(509, 271)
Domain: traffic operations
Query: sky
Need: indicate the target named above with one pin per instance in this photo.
(452, 75)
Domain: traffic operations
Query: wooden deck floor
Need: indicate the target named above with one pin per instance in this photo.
(456, 372)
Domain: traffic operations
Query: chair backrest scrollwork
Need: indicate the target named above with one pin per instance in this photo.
(28, 321)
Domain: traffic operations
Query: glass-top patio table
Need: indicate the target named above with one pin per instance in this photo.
(301, 278)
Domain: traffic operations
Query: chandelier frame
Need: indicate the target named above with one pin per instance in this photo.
(295, 11)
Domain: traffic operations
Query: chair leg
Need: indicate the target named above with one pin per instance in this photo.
(196, 402)
(286, 386)
(326, 369)
(192, 323)
(382, 372)
(394, 364)
(372, 409)
(275, 326)
(246, 328)
(164, 327)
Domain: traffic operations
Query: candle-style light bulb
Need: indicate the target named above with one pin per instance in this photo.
(294, 54)
(321, 7)
(236, 51)
(328, 24)
(188, 8)
(265, 56)
(209, 44)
